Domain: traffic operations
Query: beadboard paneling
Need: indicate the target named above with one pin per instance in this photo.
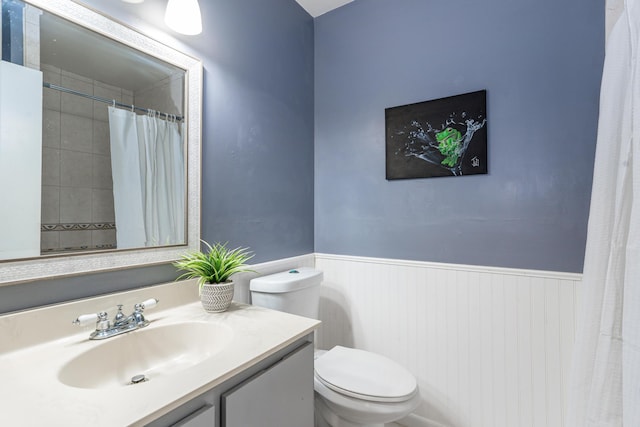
(490, 347)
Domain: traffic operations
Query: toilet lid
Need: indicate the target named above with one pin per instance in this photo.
(364, 375)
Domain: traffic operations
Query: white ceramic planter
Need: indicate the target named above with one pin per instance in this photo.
(216, 297)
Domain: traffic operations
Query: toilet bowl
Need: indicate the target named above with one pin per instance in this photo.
(353, 388)
(359, 388)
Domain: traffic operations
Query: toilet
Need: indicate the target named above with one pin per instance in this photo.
(353, 388)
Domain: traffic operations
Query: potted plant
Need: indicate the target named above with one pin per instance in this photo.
(213, 269)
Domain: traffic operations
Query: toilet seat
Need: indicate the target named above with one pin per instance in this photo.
(364, 375)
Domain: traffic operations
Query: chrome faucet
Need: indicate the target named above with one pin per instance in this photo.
(121, 324)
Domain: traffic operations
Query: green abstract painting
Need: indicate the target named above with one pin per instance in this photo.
(441, 137)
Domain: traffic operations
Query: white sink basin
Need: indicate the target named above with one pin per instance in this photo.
(154, 351)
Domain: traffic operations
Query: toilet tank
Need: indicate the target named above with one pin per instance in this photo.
(295, 291)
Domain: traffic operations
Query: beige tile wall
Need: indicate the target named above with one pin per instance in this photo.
(166, 95)
(76, 179)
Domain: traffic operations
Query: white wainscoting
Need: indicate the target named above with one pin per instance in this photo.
(490, 347)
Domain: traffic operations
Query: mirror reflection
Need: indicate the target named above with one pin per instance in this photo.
(111, 142)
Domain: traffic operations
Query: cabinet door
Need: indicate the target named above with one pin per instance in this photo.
(280, 396)
(203, 417)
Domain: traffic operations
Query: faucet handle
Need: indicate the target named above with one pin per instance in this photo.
(150, 303)
(138, 310)
(87, 319)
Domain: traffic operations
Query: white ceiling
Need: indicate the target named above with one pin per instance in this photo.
(319, 7)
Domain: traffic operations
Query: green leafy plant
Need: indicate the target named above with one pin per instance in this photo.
(215, 265)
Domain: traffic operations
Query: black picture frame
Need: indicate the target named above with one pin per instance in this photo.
(437, 138)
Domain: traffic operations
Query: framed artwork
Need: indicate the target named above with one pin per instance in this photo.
(441, 137)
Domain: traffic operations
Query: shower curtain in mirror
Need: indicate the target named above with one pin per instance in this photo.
(604, 390)
(148, 179)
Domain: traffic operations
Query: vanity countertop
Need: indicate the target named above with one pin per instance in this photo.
(34, 346)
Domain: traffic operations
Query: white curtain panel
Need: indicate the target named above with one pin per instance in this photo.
(605, 383)
(125, 170)
(177, 183)
(148, 179)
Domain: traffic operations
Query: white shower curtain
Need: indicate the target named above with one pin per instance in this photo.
(148, 179)
(604, 390)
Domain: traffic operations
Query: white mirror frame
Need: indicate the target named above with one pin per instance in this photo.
(14, 272)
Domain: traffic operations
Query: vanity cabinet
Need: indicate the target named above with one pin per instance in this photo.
(185, 353)
(275, 392)
(280, 396)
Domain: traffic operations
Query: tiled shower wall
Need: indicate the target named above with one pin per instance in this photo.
(77, 205)
(77, 197)
(166, 95)
(490, 347)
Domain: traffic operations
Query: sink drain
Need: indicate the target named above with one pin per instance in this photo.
(137, 379)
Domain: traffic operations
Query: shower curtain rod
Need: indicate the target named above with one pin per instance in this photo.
(105, 100)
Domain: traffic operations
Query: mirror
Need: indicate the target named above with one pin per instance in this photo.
(115, 109)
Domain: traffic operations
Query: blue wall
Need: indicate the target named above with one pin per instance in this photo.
(257, 154)
(540, 62)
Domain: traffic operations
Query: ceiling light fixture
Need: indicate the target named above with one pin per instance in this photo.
(183, 16)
